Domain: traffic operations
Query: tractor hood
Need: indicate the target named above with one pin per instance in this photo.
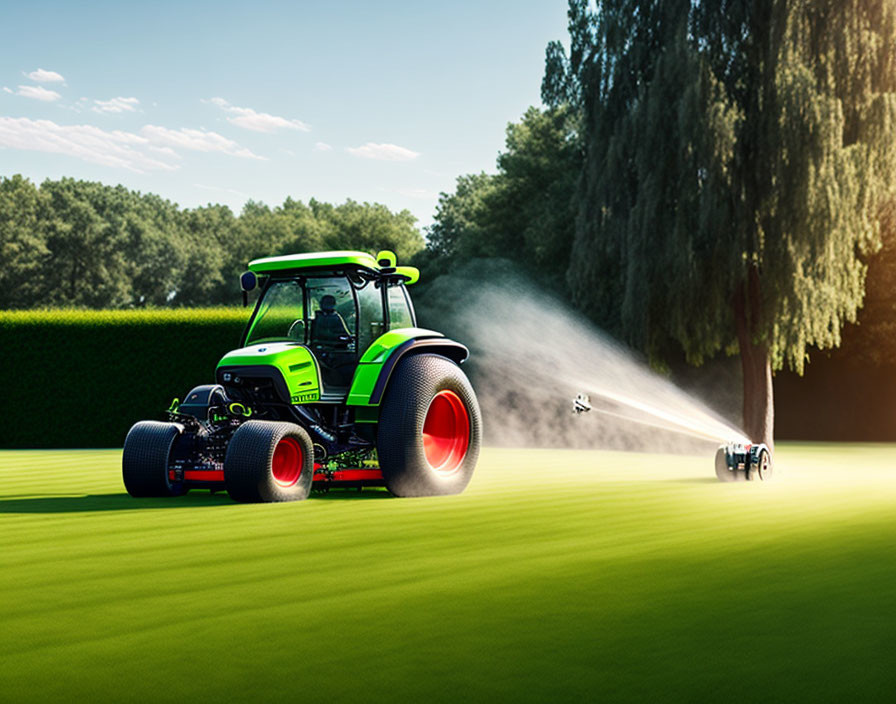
(290, 366)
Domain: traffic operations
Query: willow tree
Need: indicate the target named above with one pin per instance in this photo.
(739, 154)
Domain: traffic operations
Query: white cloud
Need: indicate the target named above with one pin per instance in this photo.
(195, 140)
(117, 149)
(42, 76)
(322, 147)
(383, 152)
(153, 149)
(7, 90)
(164, 151)
(249, 119)
(116, 105)
(38, 93)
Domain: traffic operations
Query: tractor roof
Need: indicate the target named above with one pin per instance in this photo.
(312, 259)
(289, 262)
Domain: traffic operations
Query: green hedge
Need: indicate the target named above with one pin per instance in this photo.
(75, 378)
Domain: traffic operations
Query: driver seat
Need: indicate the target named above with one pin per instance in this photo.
(330, 337)
(328, 329)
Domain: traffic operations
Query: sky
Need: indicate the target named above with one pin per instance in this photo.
(221, 102)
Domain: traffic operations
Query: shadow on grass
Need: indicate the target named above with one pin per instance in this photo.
(105, 502)
(124, 502)
(350, 494)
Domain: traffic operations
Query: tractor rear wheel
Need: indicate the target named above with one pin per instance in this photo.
(144, 461)
(430, 428)
(269, 461)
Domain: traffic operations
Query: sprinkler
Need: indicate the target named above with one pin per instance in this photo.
(739, 462)
(581, 404)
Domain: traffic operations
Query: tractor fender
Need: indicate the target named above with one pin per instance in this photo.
(454, 351)
(197, 402)
(363, 395)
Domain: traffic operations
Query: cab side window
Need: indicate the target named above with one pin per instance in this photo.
(370, 305)
(400, 315)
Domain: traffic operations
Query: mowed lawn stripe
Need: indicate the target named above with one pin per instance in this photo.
(557, 575)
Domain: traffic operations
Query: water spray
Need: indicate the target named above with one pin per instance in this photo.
(698, 425)
(736, 460)
(538, 362)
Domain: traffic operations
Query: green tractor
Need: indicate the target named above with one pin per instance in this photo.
(333, 386)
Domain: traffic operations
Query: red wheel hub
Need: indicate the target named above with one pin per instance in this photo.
(287, 463)
(446, 432)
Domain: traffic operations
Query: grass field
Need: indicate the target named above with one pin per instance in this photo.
(557, 576)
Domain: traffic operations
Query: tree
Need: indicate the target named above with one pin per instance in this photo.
(537, 178)
(737, 158)
(147, 228)
(872, 341)
(526, 211)
(22, 242)
(79, 243)
(208, 233)
(87, 261)
(368, 227)
(462, 224)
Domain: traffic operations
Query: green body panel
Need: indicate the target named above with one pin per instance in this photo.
(372, 361)
(295, 363)
(312, 259)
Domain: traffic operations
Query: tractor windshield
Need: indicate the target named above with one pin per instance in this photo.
(280, 315)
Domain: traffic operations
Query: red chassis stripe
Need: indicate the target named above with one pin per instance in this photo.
(204, 475)
(200, 475)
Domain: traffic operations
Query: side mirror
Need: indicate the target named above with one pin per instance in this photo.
(248, 281)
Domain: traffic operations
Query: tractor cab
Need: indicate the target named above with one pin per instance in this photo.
(333, 305)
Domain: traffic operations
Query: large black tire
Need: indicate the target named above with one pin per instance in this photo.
(268, 461)
(430, 428)
(723, 473)
(144, 461)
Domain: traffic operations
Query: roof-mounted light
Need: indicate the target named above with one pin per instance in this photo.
(386, 259)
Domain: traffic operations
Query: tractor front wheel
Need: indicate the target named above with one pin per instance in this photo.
(430, 428)
(269, 461)
(144, 461)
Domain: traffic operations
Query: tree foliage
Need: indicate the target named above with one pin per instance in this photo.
(85, 244)
(22, 248)
(738, 155)
(728, 140)
(526, 211)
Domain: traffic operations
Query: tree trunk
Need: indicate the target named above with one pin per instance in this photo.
(759, 399)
